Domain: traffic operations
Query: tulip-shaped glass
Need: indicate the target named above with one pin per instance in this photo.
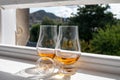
(67, 49)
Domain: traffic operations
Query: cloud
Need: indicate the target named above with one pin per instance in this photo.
(33, 10)
(115, 9)
(62, 11)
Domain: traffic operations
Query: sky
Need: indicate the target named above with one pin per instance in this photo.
(65, 11)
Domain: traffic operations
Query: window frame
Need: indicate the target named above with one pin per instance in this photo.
(89, 61)
(13, 4)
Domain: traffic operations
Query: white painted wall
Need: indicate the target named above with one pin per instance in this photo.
(0, 26)
(8, 26)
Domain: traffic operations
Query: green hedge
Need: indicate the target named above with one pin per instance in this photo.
(34, 32)
(107, 41)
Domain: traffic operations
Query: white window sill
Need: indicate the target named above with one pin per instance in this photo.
(11, 66)
(90, 65)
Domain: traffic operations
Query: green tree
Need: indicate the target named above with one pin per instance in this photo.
(91, 17)
(107, 41)
(34, 32)
(47, 21)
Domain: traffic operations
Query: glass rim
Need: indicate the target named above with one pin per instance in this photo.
(76, 27)
(48, 25)
(72, 26)
(68, 26)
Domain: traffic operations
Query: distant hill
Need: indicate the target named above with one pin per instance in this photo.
(38, 16)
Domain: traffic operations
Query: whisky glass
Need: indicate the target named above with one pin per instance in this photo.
(67, 49)
(46, 49)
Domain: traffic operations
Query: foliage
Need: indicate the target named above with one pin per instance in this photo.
(47, 21)
(91, 17)
(34, 32)
(84, 46)
(107, 41)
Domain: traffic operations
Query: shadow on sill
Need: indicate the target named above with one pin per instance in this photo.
(100, 74)
(8, 76)
(18, 59)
